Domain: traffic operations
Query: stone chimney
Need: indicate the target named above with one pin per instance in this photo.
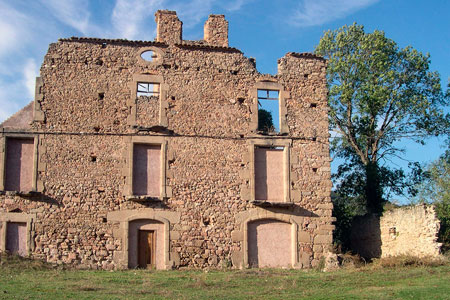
(168, 27)
(216, 31)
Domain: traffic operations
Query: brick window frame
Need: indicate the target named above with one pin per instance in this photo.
(165, 191)
(163, 103)
(286, 144)
(282, 94)
(36, 184)
(6, 218)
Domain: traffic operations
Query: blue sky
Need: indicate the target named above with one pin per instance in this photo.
(265, 30)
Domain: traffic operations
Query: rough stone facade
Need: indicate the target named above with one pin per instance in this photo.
(201, 116)
(411, 230)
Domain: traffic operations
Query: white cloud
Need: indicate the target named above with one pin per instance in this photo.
(8, 105)
(74, 13)
(30, 73)
(128, 17)
(13, 29)
(192, 12)
(317, 12)
(235, 5)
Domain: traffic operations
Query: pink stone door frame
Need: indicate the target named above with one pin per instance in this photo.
(164, 247)
(165, 191)
(269, 142)
(158, 228)
(35, 184)
(125, 217)
(28, 219)
(276, 217)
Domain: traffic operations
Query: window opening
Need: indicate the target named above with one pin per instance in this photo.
(269, 173)
(147, 89)
(268, 111)
(149, 55)
(19, 164)
(146, 170)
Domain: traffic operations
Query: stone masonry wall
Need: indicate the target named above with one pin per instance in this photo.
(411, 230)
(207, 91)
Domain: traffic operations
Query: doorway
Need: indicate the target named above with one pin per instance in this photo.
(147, 249)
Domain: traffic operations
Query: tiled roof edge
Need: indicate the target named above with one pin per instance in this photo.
(112, 41)
(185, 45)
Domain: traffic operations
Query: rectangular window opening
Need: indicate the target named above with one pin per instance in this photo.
(147, 89)
(147, 170)
(269, 174)
(19, 163)
(268, 111)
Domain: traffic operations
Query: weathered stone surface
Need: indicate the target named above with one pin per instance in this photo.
(205, 115)
(411, 230)
(331, 262)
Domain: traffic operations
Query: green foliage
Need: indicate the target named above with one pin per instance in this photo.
(345, 208)
(436, 189)
(368, 283)
(265, 121)
(378, 95)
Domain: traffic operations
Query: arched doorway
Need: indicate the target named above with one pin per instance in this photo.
(146, 244)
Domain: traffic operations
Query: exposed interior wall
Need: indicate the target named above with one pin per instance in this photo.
(133, 250)
(270, 244)
(19, 164)
(269, 174)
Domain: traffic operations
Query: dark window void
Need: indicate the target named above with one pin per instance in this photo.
(147, 89)
(268, 111)
(19, 164)
(146, 170)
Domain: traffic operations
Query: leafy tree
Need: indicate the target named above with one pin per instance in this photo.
(378, 95)
(265, 121)
(436, 189)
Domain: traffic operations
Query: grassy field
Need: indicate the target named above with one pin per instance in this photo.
(32, 280)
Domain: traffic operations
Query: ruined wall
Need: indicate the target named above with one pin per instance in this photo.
(411, 230)
(82, 216)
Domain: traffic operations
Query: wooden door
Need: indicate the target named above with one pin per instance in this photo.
(147, 249)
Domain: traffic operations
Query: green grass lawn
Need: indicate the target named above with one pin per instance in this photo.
(30, 280)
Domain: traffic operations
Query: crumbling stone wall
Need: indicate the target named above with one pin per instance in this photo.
(410, 230)
(86, 117)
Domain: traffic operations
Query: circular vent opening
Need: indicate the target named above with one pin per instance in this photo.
(148, 55)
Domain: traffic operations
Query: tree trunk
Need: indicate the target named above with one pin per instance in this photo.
(373, 190)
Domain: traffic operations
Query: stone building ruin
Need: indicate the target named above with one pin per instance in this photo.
(148, 154)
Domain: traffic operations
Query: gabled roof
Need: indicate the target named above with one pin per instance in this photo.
(21, 119)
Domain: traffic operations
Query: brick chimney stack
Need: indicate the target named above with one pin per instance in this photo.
(216, 31)
(168, 27)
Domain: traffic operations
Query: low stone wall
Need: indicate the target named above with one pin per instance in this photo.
(411, 230)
